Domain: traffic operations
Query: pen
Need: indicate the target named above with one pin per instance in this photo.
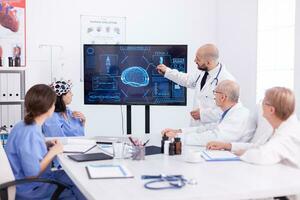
(146, 142)
(131, 140)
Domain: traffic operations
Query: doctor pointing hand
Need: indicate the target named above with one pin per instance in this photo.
(161, 69)
(204, 80)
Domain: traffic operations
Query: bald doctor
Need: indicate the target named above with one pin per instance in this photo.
(211, 72)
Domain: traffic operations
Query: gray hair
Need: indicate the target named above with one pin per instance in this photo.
(231, 89)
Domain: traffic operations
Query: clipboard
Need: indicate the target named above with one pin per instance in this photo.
(108, 171)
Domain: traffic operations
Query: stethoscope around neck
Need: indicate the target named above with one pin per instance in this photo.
(214, 81)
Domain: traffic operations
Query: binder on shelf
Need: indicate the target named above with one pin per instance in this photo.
(4, 116)
(3, 86)
(14, 114)
(1, 117)
(216, 155)
(13, 86)
(107, 171)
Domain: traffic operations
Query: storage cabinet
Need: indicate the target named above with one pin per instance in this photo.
(12, 93)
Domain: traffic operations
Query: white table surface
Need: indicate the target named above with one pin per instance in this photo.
(216, 180)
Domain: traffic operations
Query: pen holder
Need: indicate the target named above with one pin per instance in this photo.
(138, 153)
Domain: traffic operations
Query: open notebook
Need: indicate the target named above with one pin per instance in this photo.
(215, 155)
(105, 171)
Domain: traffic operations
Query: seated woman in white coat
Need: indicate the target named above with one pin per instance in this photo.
(235, 124)
(284, 145)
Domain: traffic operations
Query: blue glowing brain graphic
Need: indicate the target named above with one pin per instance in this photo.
(135, 77)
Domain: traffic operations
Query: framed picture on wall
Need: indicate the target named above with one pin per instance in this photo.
(13, 33)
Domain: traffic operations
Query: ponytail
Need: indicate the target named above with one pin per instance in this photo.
(29, 118)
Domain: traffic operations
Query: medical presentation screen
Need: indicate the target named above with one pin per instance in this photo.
(127, 75)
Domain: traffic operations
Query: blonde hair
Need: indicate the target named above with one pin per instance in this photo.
(283, 100)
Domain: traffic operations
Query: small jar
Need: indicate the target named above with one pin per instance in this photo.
(164, 138)
(17, 61)
(10, 61)
(172, 149)
(178, 146)
(166, 147)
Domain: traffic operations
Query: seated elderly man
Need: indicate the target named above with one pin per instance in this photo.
(262, 134)
(235, 124)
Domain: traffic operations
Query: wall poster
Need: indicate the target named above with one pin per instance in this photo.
(101, 30)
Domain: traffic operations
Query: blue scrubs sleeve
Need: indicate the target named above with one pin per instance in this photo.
(32, 151)
(53, 127)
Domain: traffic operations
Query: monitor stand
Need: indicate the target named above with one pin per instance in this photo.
(147, 119)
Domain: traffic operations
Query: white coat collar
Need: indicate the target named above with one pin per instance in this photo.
(235, 107)
(214, 71)
(287, 124)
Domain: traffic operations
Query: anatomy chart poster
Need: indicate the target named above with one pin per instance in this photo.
(12, 33)
(101, 30)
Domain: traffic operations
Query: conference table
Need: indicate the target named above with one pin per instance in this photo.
(211, 180)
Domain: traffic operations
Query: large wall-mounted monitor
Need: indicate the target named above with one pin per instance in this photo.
(127, 75)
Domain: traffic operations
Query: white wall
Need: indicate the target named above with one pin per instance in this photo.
(57, 22)
(236, 29)
(297, 58)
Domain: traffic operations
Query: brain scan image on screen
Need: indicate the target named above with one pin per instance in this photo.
(135, 77)
(127, 75)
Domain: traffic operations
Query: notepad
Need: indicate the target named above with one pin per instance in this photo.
(107, 171)
(78, 145)
(76, 148)
(214, 155)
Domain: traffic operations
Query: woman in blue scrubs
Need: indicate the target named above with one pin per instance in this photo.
(64, 122)
(28, 153)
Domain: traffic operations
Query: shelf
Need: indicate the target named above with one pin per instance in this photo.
(12, 68)
(13, 101)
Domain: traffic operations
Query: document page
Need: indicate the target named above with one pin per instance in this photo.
(79, 145)
(217, 155)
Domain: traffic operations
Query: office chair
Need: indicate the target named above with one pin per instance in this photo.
(8, 182)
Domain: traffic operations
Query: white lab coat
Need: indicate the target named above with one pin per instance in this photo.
(262, 133)
(236, 126)
(204, 99)
(283, 146)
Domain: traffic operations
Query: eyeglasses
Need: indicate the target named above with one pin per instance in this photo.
(217, 92)
(263, 102)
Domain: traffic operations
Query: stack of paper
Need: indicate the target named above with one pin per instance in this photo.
(213, 155)
(104, 171)
(106, 148)
(75, 145)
